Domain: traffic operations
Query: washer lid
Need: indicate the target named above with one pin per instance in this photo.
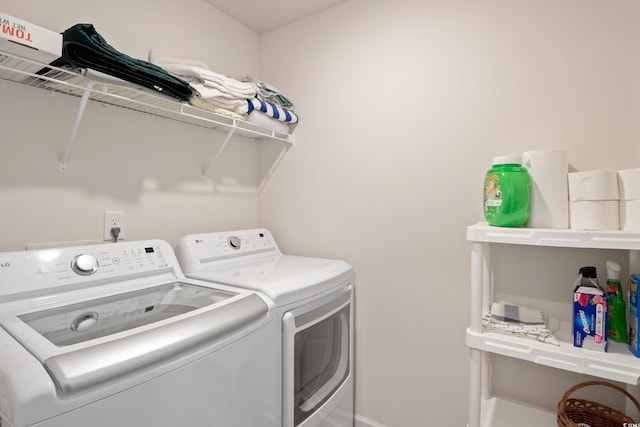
(80, 322)
(89, 342)
(283, 278)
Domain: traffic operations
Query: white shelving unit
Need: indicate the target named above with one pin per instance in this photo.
(618, 364)
(17, 70)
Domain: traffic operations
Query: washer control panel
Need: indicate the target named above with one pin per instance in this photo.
(27, 271)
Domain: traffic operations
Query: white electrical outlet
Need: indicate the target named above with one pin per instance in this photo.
(113, 219)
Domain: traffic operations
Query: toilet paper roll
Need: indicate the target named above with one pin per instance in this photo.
(595, 214)
(594, 185)
(629, 184)
(549, 201)
(630, 215)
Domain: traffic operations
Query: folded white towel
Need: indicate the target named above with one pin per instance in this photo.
(196, 101)
(504, 312)
(195, 72)
(263, 120)
(519, 321)
(237, 105)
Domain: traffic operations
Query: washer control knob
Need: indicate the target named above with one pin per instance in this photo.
(85, 264)
(234, 242)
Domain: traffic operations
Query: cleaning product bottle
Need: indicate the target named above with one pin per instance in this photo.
(590, 314)
(617, 308)
(506, 192)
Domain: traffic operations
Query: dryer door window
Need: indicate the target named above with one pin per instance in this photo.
(321, 362)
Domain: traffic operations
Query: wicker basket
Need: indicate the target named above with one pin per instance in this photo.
(579, 412)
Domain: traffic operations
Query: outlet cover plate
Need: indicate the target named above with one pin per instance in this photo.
(113, 219)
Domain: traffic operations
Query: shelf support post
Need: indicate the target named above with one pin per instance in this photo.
(475, 355)
(487, 278)
(477, 285)
(475, 387)
(63, 165)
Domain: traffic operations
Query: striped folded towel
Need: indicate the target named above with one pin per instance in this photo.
(271, 110)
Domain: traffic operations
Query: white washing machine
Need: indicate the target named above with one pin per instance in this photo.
(115, 335)
(314, 299)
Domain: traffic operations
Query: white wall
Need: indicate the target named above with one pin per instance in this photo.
(403, 104)
(148, 167)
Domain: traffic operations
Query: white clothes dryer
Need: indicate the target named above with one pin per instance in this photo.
(314, 299)
(116, 335)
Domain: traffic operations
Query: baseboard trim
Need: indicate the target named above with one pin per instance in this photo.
(361, 421)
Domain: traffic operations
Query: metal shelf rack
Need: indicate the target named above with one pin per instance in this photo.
(18, 70)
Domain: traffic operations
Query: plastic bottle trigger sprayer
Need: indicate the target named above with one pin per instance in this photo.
(617, 309)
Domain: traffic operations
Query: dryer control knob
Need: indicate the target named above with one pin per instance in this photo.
(85, 264)
(234, 242)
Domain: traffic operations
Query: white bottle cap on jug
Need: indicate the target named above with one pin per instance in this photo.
(503, 160)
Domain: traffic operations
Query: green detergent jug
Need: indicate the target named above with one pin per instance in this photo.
(506, 192)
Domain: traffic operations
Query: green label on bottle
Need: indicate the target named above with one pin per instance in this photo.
(492, 193)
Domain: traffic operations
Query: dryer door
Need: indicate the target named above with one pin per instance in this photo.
(317, 355)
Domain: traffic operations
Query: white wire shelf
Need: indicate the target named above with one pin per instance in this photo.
(22, 71)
